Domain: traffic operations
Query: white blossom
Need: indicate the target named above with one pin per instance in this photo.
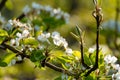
(69, 51)
(48, 8)
(35, 6)
(55, 34)
(58, 40)
(25, 33)
(110, 59)
(91, 50)
(12, 62)
(19, 58)
(19, 35)
(116, 66)
(44, 37)
(66, 17)
(116, 76)
(26, 9)
(12, 42)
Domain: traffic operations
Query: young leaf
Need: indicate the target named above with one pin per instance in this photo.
(78, 30)
(5, 60)
(31, 41)
(3, 33)
(37, 55)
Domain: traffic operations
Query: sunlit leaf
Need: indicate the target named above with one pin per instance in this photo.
(5, 60)
(31, 41)
(3, 33)
(9, 4)
(1, 39)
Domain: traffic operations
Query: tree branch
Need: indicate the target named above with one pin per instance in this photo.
(82, 54)
(98, 16)
(59, 69)
(2, 4)
(21, 16)
(46, 63)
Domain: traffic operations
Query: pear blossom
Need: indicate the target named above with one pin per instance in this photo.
(55, 34)
(110, 59)
(26, 9)
(36, 6)
(48, 8)
(19, 58)
(19, 35)
(14, 42)
(116, 76)
(91, 50)
(25, 33)
(69, 51)
(44, 37)
(13, 61)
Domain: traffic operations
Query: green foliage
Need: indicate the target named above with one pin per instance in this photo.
(9, 5)
(6, 59)
(3, 34)
(37, 55)
(30, 41)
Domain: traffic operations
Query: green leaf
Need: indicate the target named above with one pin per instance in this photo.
(9, 4)
(1, 39)
(31, 41)
(37, 55)
(58, 78)
(3, 33)
(3, 64)
(5, 60)
(89, 78)
(8, 57)
(78, 30)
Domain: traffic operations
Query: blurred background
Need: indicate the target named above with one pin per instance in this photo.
(80, 14)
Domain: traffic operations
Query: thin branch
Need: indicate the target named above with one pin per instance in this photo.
(21, 16)
(59, 69)
(2, 4)
(82, 54)
(97, 14)
(12, 49)
(56, 68)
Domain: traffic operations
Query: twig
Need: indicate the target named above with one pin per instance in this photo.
(82, 54)
(21, 16)
(59, 69)
(12, 49)
(98, 16)
(46, 63)
(2, 4)
(80, 40)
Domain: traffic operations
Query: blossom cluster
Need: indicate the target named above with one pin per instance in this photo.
(38, 9)
(112, 67)
(24, 32)
(57, 40)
